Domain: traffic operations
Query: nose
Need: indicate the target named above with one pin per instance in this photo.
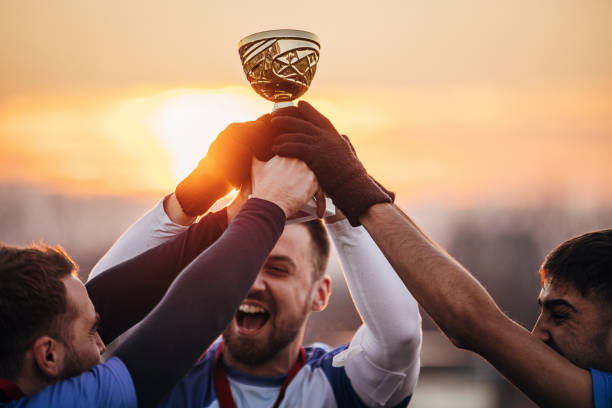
(540, 330)
(259, 284)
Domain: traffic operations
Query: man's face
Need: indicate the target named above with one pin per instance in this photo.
(575, 326)
(274, 313)
(83, 345)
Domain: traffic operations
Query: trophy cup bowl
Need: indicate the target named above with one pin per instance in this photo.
(280, 64)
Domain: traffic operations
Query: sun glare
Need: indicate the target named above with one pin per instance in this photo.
(187, 121)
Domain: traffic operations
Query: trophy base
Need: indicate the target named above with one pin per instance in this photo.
(281, 105)
(309, 212)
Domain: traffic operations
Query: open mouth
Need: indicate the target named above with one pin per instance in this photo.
(251, 318)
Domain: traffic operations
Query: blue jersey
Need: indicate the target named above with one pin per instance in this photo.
(602, 388)
(105, 385)
(317, 384)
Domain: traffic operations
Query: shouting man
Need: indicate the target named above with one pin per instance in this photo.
(260, 360)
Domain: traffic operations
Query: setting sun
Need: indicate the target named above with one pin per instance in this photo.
(187, 121)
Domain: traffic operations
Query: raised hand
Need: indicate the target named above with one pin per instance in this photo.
(311, 137)
(288, 183)
(227, 164)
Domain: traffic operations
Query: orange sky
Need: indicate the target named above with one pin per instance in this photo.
(448, 101)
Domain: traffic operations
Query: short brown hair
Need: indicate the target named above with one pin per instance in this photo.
(32, 300)
(320, 245)
(585, 262)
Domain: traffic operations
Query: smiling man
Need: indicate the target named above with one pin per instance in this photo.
(565, 362)
(48, 319)
(261, 361)
(576, 300)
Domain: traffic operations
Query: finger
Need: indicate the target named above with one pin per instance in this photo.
(313, 116)
(345, 137)
(320, 199)
(282, 124)
(264, 118)
(295, 150)
(293, 138)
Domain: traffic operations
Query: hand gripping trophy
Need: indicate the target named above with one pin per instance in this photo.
(280, 65)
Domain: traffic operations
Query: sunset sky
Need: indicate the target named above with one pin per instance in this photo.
(445, 101)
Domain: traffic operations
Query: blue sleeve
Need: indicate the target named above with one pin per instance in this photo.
(105, 385)
(602, 388)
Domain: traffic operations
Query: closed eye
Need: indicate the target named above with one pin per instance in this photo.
(279, 265)
(559, 318)
(95, 325)
(278, 269)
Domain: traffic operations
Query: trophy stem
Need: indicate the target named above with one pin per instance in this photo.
(281, 105)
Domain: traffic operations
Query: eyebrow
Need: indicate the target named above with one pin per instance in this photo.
(281, 258)
(549, 304)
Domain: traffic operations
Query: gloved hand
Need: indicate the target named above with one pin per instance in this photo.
(313, 139)
(227, 164)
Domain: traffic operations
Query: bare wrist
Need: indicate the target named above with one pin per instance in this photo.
(283, 206)
(175, 212)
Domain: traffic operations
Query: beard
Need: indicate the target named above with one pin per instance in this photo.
(254, 352)
(75, 365)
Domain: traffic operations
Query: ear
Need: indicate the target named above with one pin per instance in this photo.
(49, 356)
(321, 292)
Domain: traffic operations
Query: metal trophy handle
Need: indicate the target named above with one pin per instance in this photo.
(280, 65)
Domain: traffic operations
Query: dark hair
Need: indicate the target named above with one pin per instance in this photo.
(585, 262)
(32, 300)
(320, 243)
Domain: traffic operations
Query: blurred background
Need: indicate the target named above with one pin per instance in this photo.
(491, 120)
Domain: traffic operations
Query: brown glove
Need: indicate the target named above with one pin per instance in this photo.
(227, 164)
(313, 139)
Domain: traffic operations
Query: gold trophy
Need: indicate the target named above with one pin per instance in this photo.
(280, 65)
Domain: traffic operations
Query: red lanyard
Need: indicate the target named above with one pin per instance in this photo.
(11, 390)
(222, 385)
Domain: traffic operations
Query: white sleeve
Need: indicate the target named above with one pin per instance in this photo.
(383, 359)
(152, 229)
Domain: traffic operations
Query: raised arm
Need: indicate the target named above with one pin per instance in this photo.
(152, 229)
(203, 298)
(126, 292)
(227, 164)
(383, 359)
(448, 292)
(467, 314)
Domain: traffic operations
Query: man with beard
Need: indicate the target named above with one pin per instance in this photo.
(260, 360)
(51, 331)
(566, 361)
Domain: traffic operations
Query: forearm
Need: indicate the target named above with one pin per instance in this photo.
(200, 303)
(388, 344)
(158, 225)
(152, 229)
(466, 313)
(125, 293)
(379, 296)
(454, 299)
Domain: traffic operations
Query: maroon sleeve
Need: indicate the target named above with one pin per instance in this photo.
(200, 303)
(125, 293)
